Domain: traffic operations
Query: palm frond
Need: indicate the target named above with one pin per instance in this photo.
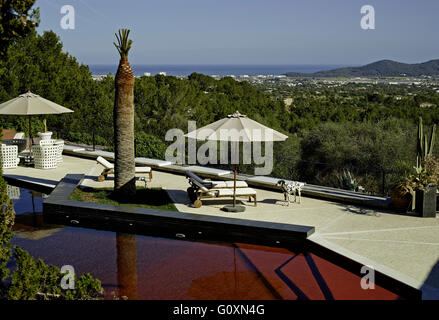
(124, 44)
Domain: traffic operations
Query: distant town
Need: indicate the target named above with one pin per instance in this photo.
(427, 81)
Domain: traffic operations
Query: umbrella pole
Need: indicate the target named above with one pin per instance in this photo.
(234, 207)
(236, 169)
(234, 187)
(30, 133)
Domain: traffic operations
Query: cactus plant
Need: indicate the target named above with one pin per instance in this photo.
(424, 147)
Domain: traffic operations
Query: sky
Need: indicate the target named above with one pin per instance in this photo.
(247, 32)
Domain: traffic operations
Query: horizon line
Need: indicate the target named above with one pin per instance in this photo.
(226, 64)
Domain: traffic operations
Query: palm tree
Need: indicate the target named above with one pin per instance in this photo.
(124, 179)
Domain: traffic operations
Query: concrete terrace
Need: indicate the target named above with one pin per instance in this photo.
(403, 247)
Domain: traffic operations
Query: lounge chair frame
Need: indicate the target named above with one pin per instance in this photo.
(216, 194)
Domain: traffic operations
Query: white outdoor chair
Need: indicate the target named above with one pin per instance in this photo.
(60, 144)
(9, 156)
(21, 143)
(51, 142)
(46, 156)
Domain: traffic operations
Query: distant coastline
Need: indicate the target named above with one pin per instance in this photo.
(211, 70)
(382, 68)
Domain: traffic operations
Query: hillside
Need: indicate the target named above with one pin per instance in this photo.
(383, 68)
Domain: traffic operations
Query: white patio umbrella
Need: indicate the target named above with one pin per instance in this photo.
(29, 104)
(236, 128)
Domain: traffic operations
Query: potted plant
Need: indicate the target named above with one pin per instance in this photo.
(46, 135)
(426, 177)
(403, 196)
(424, 182)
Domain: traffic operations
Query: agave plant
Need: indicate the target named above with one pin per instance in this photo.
(124, 164)
(424, 145)
(348, 180)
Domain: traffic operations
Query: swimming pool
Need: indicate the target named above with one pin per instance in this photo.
(153, 267)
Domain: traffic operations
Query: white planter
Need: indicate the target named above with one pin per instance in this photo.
(45, 135)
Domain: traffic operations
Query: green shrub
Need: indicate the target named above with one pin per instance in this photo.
(366, 148)
(149, 146)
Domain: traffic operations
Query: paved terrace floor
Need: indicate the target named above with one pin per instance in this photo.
(404, 247)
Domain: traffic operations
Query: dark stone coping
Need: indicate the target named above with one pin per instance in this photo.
(21, 181)
(58, 208)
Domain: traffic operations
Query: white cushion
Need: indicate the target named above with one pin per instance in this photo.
(239, 192)
(227, 184)
(143, 169)
(105, 163)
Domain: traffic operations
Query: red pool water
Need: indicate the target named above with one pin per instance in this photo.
(142, 267)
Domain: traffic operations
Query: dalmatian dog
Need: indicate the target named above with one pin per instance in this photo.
(290, 188)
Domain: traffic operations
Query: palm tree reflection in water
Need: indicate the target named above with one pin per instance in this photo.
(127, 265)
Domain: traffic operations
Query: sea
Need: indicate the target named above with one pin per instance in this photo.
(212, 70)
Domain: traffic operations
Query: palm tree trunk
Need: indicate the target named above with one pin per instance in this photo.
(124, 182)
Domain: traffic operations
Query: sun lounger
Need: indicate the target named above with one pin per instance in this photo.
(204, 193)
(109, 169)
(200, 191)
(215, 184)
(19, 135)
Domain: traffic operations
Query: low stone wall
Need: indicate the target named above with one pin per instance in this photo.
(57, 208)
